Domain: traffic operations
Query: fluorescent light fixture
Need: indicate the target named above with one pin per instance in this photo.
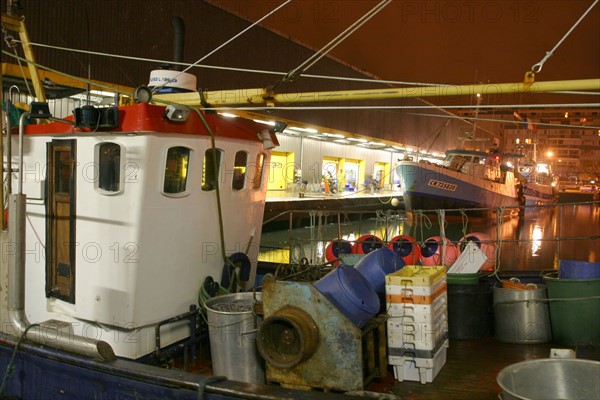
(260, 121)
(316, 137)
(102, 93)
(398, 148)
(291, 132)
(358, 140)
(376, 144)
(228, 115)
(333, 135)
(308, 130)
(342, 141)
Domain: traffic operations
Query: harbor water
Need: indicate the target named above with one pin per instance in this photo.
(535, 240)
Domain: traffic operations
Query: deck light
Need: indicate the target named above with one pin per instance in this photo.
(177, 113)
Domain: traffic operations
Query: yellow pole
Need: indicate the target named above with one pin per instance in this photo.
(256, 97)
(18, 25)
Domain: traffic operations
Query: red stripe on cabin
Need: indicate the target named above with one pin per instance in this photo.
(148, 118)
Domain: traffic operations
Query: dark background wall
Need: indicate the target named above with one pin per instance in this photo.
(142, 29)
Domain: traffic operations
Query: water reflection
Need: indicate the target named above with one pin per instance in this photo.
(534, 241)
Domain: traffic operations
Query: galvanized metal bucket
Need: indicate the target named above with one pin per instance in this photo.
(232, 330)
(565, 379)
(521, 316)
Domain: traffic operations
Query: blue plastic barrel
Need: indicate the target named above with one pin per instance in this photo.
(377, 264)
(348, 290)
(569, 269)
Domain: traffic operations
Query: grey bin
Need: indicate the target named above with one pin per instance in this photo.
(232, 331)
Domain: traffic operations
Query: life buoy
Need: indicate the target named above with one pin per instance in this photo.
(366, 244)
(406, 247)
(431, 252)
(337, 247)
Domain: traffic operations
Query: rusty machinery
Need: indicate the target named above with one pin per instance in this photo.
(308, 343)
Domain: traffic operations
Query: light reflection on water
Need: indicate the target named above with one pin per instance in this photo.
(535, 241)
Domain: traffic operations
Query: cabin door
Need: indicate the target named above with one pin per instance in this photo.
(60, 220)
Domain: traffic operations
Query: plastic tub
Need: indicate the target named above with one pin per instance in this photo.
(347, 289)
(566, 379)
(377, 264)
(232, 332)
(569, 269)
(574, 310)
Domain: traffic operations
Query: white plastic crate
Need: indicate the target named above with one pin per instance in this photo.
(422, 370)
(420, 335)
(414, 290)
(419, 312)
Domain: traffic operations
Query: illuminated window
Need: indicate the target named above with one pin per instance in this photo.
(109, 168)
(239, 170)
(258, 172)
(210, 169)
(176, 170)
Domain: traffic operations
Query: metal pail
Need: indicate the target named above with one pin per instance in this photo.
(521, 316)
(565, 379)
(232, 331)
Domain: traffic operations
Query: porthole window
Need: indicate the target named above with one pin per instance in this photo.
(176, 171)
(210, 168)
(259, 171)
(108, 161)
(239, 170)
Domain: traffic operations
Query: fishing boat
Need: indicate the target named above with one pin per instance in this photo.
(464, 179)
(539, 184)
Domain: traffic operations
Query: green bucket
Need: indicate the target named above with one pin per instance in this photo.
(463, 279)
(574, 306)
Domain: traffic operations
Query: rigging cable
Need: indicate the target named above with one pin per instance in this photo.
(538, 67)
(225, 43)
(312, 60)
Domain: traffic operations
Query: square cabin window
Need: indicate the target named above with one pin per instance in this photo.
(108, 160)
(176, 171)
(239, 170)
(210, 168)
(259, 171)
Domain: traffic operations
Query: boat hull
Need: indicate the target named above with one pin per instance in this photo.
(430, 187)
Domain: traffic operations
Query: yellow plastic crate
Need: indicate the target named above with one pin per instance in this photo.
(416, 275)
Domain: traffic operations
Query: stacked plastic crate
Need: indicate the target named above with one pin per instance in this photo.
(417, 327)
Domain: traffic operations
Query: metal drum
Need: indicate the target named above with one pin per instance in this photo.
(232, 330)
(521, 315)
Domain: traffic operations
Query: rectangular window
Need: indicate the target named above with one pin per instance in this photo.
(63, 165)
(239, 170)
(176, 170)
(258, 172)
(109, 167)
(210, 169)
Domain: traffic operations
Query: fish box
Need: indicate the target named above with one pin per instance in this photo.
(422, 370)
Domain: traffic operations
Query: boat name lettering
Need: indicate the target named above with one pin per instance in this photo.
(442, 185)
(163, 79)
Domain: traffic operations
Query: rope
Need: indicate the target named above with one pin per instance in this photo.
(538, 67)
(234, 69)
(10, 366)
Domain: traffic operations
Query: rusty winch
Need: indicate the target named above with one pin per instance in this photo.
(308, 343)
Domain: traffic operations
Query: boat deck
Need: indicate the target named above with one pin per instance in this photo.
(470, 371)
